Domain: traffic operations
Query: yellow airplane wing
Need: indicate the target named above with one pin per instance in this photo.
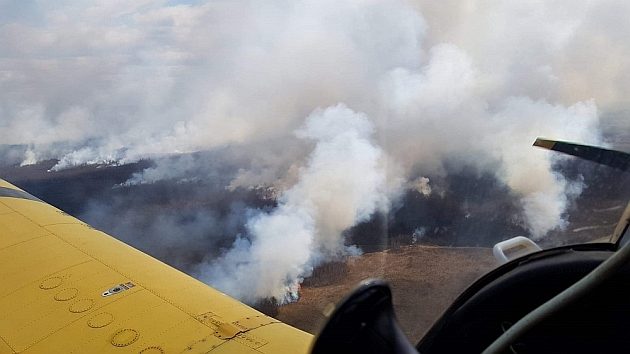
(68, 288)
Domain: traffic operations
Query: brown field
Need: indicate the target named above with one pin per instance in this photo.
(425, 280)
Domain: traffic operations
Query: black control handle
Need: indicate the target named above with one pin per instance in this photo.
(364, 323)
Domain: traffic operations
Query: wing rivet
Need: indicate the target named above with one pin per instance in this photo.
(81, 305)
(152, 350)
(66, 294)
(50, 283)
(101, 320)
(125, 337)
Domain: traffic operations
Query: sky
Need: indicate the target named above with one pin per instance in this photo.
(369, 95)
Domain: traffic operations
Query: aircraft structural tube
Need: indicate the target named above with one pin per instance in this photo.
(569, 296)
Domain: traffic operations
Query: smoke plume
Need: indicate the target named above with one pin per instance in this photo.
(342, 184)
(442, 86)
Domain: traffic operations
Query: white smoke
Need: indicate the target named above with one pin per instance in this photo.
(446, 101)
(545, 193)
(343, 183)
(468, 82)
(134, 81)
(421, 185)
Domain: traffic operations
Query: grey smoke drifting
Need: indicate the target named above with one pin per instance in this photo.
(468, 83)
(342, 184)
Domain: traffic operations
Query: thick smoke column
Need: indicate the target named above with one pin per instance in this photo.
(343, 183)
(442, 112)
(448, 86)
